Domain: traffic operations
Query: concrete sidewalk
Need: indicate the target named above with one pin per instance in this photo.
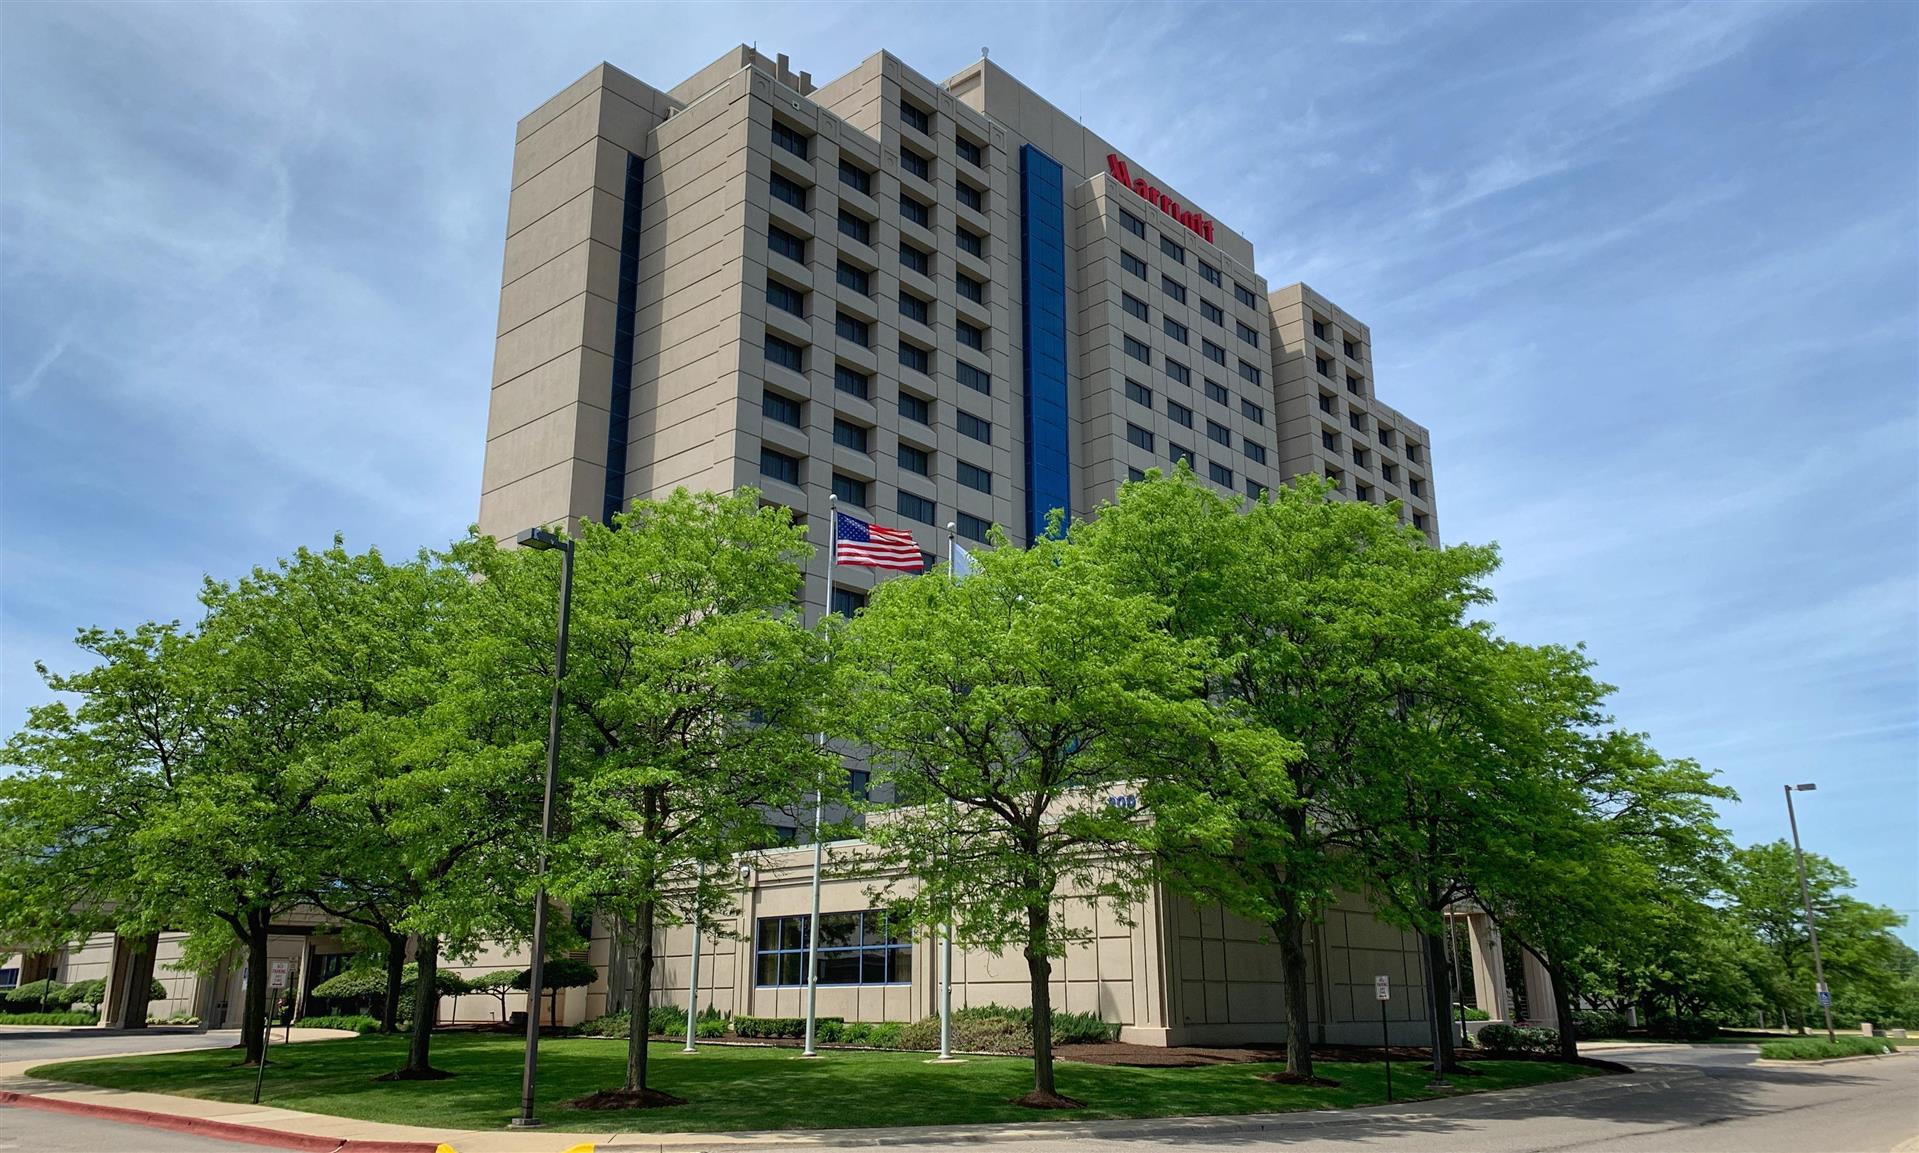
(287, 1128)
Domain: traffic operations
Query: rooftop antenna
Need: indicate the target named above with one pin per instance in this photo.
(984, 52)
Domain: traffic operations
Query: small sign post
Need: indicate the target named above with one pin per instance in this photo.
(1383, 990)
(276, 982)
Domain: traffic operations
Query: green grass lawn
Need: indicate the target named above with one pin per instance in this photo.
(740, 1088)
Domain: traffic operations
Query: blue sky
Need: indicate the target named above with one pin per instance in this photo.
(1650, 274)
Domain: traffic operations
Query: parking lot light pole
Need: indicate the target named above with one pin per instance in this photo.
(1805, 898)
(543, 540)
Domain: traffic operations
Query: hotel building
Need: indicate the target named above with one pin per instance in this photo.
(941, 302)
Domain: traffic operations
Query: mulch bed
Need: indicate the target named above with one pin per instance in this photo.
(625, 1099)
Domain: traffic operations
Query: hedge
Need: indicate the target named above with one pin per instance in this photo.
(91, 992)
(1599, 1024)
(1508, 1039)
(779, 1026)
(358, 1022)
(49, 1018)
(1818, 1048)
(34, 994)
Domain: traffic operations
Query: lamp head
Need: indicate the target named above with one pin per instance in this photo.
(540, 539)
(1807, 788)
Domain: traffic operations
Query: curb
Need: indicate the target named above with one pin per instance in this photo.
(228, 1130)
(1773, 1063)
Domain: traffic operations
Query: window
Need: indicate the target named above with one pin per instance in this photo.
(1210, 275)
(852, 382)
(914, 117)
(970, 196)
(1328, 440)
(1363, 491)
(1249, 334)
(1134, 306)
(970, 242)
(1357, 419)
(917, 409)
(1139, 437)
(1245, 295)
(970, 152)
(1352, 349)
(1416, 486)
(975, 477)
(1254, 451)
(857, 279)
(1354, 384)
(1388, 472)
(916, 358)
(915, 460)
(1216, 392)
(913, 210)
(849, 489)
(971, 527)
(1179, 413)
(1337, 477)
(1251, 411)
(854, 329)
(1179, 372)
(1132, 264)
(846, 434)
(784, 409)
(792, 192)
(973, 377)
(1328, 404)
(917, 259)
(1174, 329)
(1255, 489)
(1135, 473)
(1248, 373)
(1419, 521)
(970, 335)
(1173, 288)
(855, 177)
(913, 506)
(1319, 328)
(853, 226)
(974, 427)
(913, 162)
(779, 466)
(1212, 312)
(1168, 247)
(971, 289)
(854, 949)
(913, 308)
(1414, 453)
(846, 602)
(1323, 365)
(1213, 352)
(786, 244)
(1139, 393)
(1218, 433)
(1220, 473)
(785, 299)
(785, 353)
(1132, 224)
(1386, 438)
(790, 139)
(1138, 351)
(1181, 455)
(1359, 456)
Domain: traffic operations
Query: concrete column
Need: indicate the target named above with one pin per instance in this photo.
(1489, 968)
(1539, 994)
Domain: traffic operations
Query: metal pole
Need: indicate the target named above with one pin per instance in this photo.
(693, 981)
(1386, 1047)
(946, 989)
(536, 975)
(266, 1038)
(1812, 927)
(813, 926)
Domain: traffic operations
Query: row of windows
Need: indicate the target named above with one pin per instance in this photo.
(866, 948)
(790, 411)
(1218, 433)
(1176, 291)
(1363, 457)
(1172, 248)
(851, 224)
(1352, 348)
(1135, 391)
(1387, 437)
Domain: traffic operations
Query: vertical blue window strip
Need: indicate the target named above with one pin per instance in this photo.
(620, 402)
(1042, 250)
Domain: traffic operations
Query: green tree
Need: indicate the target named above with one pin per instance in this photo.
(689, 702)
(1855, 938)
(497, 985)
(1004, 710)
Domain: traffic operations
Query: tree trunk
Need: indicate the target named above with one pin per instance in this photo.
(1039, 970)
(139, 991)
(395, 968)
(426, 1011)
(642, 983)
(253, 1016)
(1290, 930)
(1563, 1007)
(1439, 1004)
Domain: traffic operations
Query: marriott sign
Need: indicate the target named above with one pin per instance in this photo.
(1194, 221)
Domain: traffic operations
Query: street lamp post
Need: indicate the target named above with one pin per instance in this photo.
(1805, 898)
(544, 539)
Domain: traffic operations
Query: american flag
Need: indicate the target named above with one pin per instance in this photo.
(857, 543)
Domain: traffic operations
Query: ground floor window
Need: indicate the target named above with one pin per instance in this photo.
(855, 949)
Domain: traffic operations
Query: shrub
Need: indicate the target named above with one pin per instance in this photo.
(560, 973)
(1082, 1029)
(666, 1020)
(357, 1022)
(971, 1034)
(1508, 1040)
(885, 1034)
(1470, 1013)
(709, 1027)
(92, 992)
(32, 995)
(176, 1019)
(49, 1018)
(610, 1025)
(1598, 1024)
(779, 1026)
(1817, 1048)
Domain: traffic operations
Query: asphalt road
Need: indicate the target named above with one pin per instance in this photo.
(16, 1045)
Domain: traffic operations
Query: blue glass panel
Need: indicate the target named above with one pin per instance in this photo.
(1042, 245)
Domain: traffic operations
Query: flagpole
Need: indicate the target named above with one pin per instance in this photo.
(946, 930)
(819, 813)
